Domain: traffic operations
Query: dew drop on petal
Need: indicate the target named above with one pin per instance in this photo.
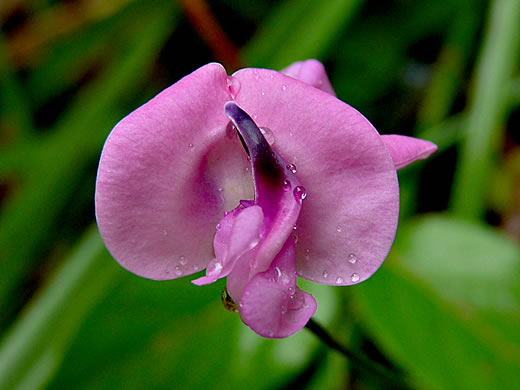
(339, 280)
(338, 229)
(352, 258)
(354, 277)
(218, 226)
(214, 268)
(182, 260)
(263, 93)
(233, 86)
(190, 145)
(284, 87)
(268, 135)
(286, 185)
(278, 273)
(325, 274)
(291, 167)
(300, 193)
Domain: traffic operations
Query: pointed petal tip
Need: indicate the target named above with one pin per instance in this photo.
(406, 150)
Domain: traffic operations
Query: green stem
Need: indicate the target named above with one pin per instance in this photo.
(487, 109)
(38, 340)
(361, 361)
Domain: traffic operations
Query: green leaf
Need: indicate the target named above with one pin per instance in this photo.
(150, 334)
(35, 345)
(487, 110)
(465, 262)
(297, 30)
(440, 345)
(74, 143)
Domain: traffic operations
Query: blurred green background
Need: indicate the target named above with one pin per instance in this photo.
(442, 312)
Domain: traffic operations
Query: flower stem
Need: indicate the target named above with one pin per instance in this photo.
(361, 361)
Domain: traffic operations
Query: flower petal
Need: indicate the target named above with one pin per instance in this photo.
(276, 187)
(272, 305)
(348, 221)
(406, 150)
(168, 171)
(238, 233)
(311, 72)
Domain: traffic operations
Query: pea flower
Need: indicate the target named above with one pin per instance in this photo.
(259, 177)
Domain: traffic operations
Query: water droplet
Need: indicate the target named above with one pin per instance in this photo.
(300, 193)
(231, 130)
(354, 277)
(263, 93)
(220, 189)
(291, 290)
(214, 268)
(255, 117)
(255, 73)
(218, 226)
(178, 270)
(339, 280)
(190, 145)
(352, 259)
(196, 267)
(165, 233)
(233, 86)
(286, 185)
(295, 227)
(291, 167)
(325, 274)
(284, 87)
(182, 260)
(268, 135)
(338, 229)
(278, 273)
(271, 76)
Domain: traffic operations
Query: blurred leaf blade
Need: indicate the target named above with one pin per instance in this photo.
(280, 40)
(487, 110)
(35, 346)
(75, 141)
(474, 264)
(394, 305)
(14, 108)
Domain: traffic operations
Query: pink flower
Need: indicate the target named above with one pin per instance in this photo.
(317, 197)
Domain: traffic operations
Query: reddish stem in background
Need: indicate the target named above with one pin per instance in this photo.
(200, 16)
